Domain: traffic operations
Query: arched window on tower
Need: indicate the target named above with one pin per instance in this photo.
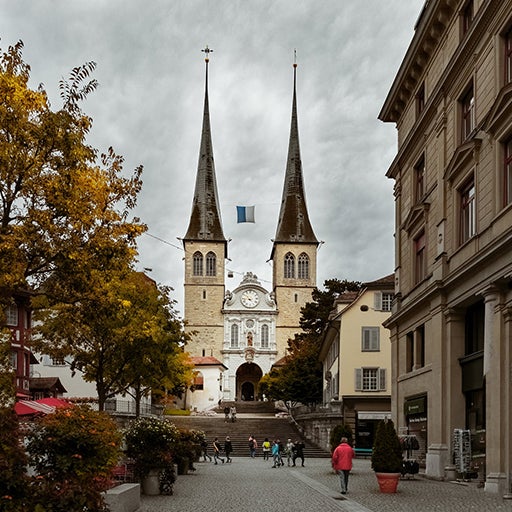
(234, 336)
(264, 336)
(289, 266)
(197, 269)
(211, 262)
(303, 266)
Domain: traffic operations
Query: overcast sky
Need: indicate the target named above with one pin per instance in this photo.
(149, 108)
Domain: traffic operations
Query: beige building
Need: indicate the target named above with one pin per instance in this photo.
(356, 359)
(451, 101)
(245, 330)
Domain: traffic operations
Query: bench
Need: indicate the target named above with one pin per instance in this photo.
(363, 452)
(123, 498)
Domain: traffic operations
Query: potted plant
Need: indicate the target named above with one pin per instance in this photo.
(150, 442)
(387, 456)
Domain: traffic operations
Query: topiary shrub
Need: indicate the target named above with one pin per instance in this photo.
(337, 433)
(387, 452)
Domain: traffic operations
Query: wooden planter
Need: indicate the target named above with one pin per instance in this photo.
(388, 482)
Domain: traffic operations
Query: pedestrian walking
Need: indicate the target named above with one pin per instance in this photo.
(253, 446)
(288, 450)
(216, 451)
(232, 413)
(226, 413)
(228, 448)
(342, 462)
(275, 454)
(265, 448)
(204, 450)
(298, 452)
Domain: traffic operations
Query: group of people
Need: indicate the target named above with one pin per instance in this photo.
(278, 451)
(229, 414)
(217, 449)
(341, 457)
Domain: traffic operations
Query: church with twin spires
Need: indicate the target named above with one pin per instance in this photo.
(239, 335)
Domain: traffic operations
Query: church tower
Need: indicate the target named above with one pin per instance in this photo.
(294, 250)
(205, 251)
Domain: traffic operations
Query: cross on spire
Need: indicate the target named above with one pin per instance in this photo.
(207, 51)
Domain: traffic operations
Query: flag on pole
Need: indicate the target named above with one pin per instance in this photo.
(245, 214)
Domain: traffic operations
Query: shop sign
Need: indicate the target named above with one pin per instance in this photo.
(415, 406)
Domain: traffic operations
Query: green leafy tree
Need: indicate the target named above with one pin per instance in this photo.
(338, 432)
(63, 207)
(122, 334)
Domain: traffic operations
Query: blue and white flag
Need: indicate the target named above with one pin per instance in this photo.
(245, 214)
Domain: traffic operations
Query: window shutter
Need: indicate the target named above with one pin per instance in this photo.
(359, 379)
(366, 339)
(377, 301)
(382, 379)
(375, 339)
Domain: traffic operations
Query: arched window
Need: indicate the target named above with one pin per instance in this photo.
(211, 262)
(197, 269)
(303, 266)
(289, 266)
(264, 336)
(234, 336)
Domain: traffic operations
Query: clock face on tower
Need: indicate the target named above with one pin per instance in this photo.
(250, 299)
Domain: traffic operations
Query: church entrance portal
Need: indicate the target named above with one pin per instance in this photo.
(248, 377)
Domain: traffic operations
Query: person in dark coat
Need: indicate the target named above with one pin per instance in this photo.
(228, 448)
(298, 452)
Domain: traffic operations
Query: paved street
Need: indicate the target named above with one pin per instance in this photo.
(247, 485)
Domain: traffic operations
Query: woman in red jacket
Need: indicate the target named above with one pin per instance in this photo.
(342, 462)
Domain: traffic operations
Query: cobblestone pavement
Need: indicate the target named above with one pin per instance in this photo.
(247, 485)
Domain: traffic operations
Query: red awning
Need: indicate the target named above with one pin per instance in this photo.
(41, 406)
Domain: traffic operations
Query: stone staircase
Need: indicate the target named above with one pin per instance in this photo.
(253, 418)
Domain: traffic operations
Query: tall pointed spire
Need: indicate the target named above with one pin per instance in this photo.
(293, 224)
(205, 220)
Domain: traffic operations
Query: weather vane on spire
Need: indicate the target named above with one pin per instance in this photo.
(207, 51)
(295, 57)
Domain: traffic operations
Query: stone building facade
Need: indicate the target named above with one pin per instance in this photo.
(451, 328)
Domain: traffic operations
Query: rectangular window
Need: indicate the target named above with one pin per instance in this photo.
(419, 179)
(467, 103)
(467, 16)
(370, 339)
(409, 352)
(14, 360)
(420, 100)
(507, 173)
(370, 379)
(420, 270)
(11, 314)
(383, 301)
(508, 56)
(467, 212)
(58, 361)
